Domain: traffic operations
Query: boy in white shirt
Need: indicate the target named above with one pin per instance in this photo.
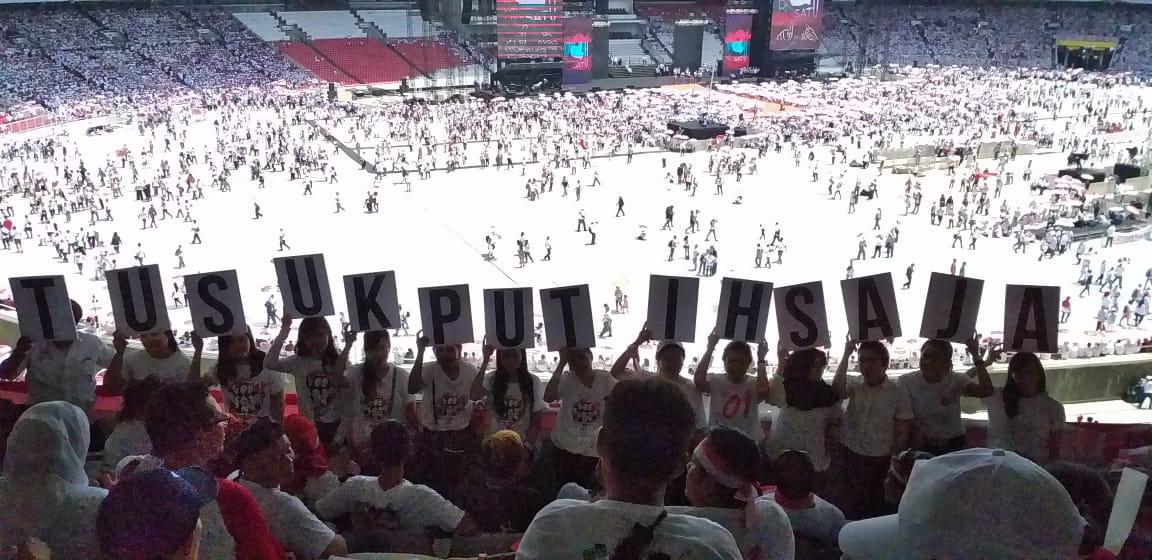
(935, 391)
(642, 445)
(875, 427)
(721, 485)
(392, 501)
(265, 458)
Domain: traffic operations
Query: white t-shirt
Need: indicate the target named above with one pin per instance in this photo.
(388, 402)
(936, 406)
(452, 397)
(317, 487)
(769, 539)
(870, 418)
(602, 524)
(517, 414)
(128, 438)
(139, 366)
(318, 400)
(581, 412)
(802, 430)
(409, 506)
(295, 528)
(735, 405)
(250, 398)
(821, 521)
(66, 375)
(1028, 433)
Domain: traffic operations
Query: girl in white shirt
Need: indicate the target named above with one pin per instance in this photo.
(807, 408)
(734, 396)
(251, 390)
(377, 391)
(318, 370)
(161, 358)
(513, 396)
(582, 392)
(1022, 417)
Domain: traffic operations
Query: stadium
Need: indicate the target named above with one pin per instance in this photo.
(376, 217)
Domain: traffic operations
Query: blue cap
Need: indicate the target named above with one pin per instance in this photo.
(153, 512)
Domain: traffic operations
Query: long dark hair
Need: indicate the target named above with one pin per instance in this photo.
(1011, 394)
(226, 365)
(800, 390)
(500, 383)
(308, 326)
(370, 375)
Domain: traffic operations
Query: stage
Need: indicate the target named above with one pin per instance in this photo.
(697, 130)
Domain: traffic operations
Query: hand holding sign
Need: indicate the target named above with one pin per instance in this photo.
(197, 343)
(761, 350)
(23, 345)
(119, 342)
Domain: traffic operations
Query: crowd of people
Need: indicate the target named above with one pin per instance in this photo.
(450, 458)
(1009, 36)
(450, 454)
(80, 61)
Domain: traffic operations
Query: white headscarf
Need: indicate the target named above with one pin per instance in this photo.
(44, 489)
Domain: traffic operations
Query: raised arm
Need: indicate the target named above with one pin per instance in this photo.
(982, 387)
(272, 357)
(478, 391)
(620, 366)
(15, 363)
(336, 373)
(194, 365)
(552, 390)
(700, 376)
(114, 381)
(840, 380)
(762, 383)
(416, 376)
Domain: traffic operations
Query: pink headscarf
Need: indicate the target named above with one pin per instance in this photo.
(718, 468)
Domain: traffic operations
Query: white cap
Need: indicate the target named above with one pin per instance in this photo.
(975, 503)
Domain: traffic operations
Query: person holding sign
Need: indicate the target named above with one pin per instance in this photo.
(60, 370)
(161, 359)
(513, 395)
(669, 363)
(935, 391)
(875, 427)
(734, 396)
(582, 392)
(446, 442)
(318, 370)
(808, 408)
(1022, 417)
(377, 392)
(250, 390)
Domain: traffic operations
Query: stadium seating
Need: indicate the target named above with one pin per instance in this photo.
(263, 24)
(397, 23)
(367, 60)
(427, 54)
(322, 69)
(325, 24)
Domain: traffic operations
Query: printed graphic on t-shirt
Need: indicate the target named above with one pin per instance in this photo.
(513, 410)
(449, 405)
(377, 408)
(738, 405)
(387, 518)
(585, 412)
(319, 391)
(246, 398)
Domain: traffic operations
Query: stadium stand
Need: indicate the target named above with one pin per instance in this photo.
(325, 24)
(312, 61)
(263, 24)
(396, 23)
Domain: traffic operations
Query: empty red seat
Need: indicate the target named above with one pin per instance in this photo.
(306, 57)
(427, 54)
